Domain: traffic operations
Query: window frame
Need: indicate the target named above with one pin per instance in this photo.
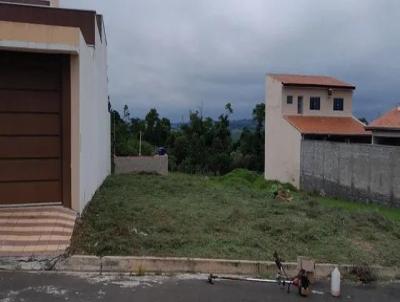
(313, 99)
(341, 107)
(289, 100)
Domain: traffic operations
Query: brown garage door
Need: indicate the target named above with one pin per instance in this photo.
(30, 128)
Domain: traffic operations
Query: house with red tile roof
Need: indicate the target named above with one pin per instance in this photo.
(302, 107)
(386, 129)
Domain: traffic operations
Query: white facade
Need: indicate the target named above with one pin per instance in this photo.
(282, 140)
(326, 101)
(94, 121)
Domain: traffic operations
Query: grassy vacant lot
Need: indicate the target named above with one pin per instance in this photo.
(234, 216)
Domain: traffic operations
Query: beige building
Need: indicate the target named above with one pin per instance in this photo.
(300, 107)
(386, 129)
(54, 119)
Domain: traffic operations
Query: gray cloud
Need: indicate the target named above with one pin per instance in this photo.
(177, 55)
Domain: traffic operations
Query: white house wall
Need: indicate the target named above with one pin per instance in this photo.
(326, 101)
(94, 120)
(75, 132)
(282, 141)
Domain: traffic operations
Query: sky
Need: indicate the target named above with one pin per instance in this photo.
(182, 55)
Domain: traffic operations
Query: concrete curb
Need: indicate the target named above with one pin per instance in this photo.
(169, 265)
(141, 265)
(79, 263)
(27, 264)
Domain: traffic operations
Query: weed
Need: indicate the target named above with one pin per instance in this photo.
(363, 273)
(141, 271)
(233, 216)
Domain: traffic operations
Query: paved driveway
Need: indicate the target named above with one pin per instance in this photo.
(45, 287)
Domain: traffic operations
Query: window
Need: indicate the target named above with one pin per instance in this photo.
(289, 99)
(338, 104)
(300, 105)
(315, 103)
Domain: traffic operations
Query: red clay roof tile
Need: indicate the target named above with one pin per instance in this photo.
(327, 125)
(390, 120)
(310, 80)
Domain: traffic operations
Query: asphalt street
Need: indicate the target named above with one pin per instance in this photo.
(43, 287)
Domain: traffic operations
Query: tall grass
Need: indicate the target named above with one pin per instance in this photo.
(234, 216)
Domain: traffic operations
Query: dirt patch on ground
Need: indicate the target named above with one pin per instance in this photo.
(364, 245)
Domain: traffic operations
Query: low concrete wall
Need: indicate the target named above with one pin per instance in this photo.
(150, 164)
(368, 173)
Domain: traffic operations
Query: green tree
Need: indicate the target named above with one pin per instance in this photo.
(119, 134)
(137, 125)
(228, 108)
(152, 119)
(259, 117)
(163, 130)
(190, 146)
(221, 148)
(259, 142)
(125, 135)
(202, 145)
(363, 120)
(126, 114)
(156, 130)
(249, 151)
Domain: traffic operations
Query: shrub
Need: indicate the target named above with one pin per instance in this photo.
(363, 273)
(130, 147)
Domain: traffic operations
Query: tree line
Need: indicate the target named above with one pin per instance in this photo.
(202, 145)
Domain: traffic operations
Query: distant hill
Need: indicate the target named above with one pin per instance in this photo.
(241, 124)
(176, 126)
(234, 125)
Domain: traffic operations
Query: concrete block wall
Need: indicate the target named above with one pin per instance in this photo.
(368, 173)
(150, 164)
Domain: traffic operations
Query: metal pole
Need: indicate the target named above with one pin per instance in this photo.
(279, 281)
(140, 143)
(115, 139)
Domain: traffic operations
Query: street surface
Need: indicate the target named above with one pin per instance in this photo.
(46, 287)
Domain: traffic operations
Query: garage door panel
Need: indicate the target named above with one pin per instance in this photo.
(30, 192)
(30, 169)
(31, 127)
(30, 147)
(29, 124)
(29, 101)
(25, 79)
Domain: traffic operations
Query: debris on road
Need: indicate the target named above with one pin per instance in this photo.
(301, 280)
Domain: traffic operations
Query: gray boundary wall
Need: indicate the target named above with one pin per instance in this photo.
(135, 164)
(368, 173)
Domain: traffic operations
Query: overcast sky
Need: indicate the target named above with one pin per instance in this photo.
(178, 55)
